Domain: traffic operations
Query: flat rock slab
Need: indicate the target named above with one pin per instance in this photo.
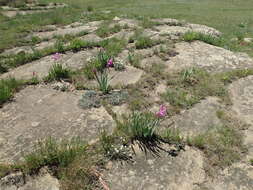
(42, 66)
(129, 76)
(89, 27)
(241, 93)
(238, 176)
(199, 119)
(40, 112)
(212, 58)
(152, 173)
(182, 29)
(17, 181)
(29, 49)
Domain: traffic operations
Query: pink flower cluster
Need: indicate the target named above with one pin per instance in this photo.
(162, 111)
(109, 63)
(56, 56)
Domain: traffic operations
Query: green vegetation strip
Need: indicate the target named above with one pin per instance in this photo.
(192, 85)
(113, 46)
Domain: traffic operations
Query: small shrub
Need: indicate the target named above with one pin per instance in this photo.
(90, 8)
(58, 72)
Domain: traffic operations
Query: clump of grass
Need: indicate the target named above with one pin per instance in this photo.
(103, 81)
(251, 162)
(96, 64)
(144, 42)
(78, 44)
(59, 46)
(35, 40)
(7, 88)
(172, 136)
(140, 128)
(147, 23)
(113, 46)
(180, 98)
(113, 147)
(193, 36)
(58, 72)
(240, 35)
(105, 30)
(134, 60)
(51, 153)
(233, 75)
(192, 85)
(222, 145)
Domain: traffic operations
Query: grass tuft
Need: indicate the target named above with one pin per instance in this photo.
(7, 89)
(193, 36)
(58, 72)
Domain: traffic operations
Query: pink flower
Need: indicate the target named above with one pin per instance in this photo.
(94, 70)
(109, 63)
(162, 111)
(34, 74)
(56, 56)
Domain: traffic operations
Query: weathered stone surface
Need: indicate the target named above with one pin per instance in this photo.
(238, 176)
(212, 58)
(241, 93)
(129, 22)
(91, 38)
(124, 34)
(199, 119)
(148, 62)
(172, 30)
(40, 112)
(33, 8)
(163, 173)
(89, 27)
(203, 29)
(175, 28)
(15, 179)
(169, 21)
(29, 49)
(129, 76)
(18, 181)
(42, 66)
